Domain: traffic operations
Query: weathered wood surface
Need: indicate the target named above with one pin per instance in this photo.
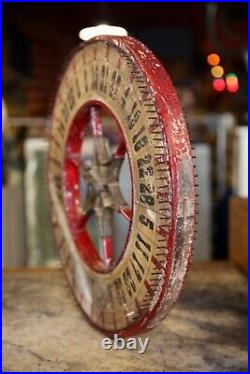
(44, 329)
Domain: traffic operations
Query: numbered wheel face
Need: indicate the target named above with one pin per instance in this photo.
(121, 185)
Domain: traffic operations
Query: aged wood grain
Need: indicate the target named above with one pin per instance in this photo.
(44, 329)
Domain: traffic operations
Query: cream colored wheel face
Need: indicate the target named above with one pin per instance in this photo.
(113, 301)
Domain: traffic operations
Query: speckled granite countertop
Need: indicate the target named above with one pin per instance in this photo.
(44, 330)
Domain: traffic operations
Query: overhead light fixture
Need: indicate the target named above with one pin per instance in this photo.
(90, 32)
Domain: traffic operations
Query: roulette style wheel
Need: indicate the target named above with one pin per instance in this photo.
(120, 155)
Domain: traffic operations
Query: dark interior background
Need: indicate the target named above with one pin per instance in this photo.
(38, 37)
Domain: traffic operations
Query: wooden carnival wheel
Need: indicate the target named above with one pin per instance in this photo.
(118, 80)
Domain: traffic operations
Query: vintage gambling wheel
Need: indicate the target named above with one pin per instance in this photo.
(123, 283)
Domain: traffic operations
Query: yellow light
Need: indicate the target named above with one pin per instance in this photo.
(90, 32)
(213, 59)
(217, 71)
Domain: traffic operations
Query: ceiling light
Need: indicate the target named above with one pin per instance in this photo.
(90, 32)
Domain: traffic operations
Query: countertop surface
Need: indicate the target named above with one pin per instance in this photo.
(44, 329)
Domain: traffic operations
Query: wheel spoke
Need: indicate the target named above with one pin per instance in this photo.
(102, 150)
(74, 158)
(96, 121)
(120, 150)
(102, 155)
(116, 168)
(83, 220)
(126, 212)
(87, 198)
(86, 174)
(105, 224)
(107, 244)
(117, 197)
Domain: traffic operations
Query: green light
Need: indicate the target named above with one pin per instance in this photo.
(233, 75)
